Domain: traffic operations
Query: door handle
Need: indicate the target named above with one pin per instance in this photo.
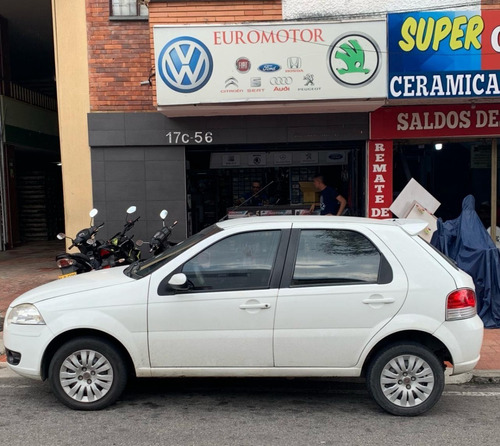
(258, 306)
(379, 300)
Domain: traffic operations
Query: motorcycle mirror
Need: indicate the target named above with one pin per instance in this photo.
(93, 213)
(163, 214)
(61, 236)
(139, 242)
(131, 210)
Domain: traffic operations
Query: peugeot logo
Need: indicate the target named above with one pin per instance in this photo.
(285, 80)
(185, 64)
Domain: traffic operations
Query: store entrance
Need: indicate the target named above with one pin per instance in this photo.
(449, 174)
(222, 178)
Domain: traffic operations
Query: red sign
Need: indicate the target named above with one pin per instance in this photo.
(435, 122)
(379, 179)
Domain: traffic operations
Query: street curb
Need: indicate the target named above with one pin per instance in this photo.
(486, 377)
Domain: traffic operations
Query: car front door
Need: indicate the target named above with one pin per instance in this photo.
(340, 287)
(226, 317)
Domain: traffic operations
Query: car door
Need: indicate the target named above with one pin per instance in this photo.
(340, 286)
(226, 317)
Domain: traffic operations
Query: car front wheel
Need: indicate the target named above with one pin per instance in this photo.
(87, 373)
(406, 380)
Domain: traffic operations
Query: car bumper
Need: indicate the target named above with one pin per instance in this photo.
(464, 339)
(29, 341)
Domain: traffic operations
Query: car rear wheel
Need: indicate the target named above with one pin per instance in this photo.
(87, 373)
(406, 380)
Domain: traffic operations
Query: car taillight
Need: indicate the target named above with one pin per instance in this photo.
(461, 304)
(65, 262)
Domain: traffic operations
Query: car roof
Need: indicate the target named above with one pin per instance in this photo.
(411, 226)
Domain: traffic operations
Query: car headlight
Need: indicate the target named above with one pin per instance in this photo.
(25, 314)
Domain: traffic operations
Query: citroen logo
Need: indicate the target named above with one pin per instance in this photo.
(185, 64)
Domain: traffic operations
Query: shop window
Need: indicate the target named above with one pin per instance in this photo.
(128, 9)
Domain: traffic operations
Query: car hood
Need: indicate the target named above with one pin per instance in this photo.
(75, 284)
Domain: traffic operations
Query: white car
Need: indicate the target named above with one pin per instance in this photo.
(262, 297)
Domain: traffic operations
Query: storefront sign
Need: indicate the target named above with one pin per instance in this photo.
(270, 62)
(379, 176)
(435, 121)
(276, 159)
(444, 54)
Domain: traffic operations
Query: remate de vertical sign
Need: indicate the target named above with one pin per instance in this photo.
(379, 176)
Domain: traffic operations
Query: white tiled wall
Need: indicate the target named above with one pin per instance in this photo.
(315, 9)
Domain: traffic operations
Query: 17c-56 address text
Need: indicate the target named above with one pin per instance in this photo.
(189, 137)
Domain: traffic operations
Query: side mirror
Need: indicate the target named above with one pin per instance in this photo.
(61, 236)
(179, 282)
(163, 214)
(93, 213)
(131, 210)
(139, 242)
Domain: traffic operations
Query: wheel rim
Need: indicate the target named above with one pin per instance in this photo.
(407, 380)
(86, 376)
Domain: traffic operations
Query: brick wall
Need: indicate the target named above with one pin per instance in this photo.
(215, 12)
(119, 56)
(121, 53)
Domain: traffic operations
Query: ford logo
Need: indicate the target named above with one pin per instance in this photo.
(335, 156)
(269, 67)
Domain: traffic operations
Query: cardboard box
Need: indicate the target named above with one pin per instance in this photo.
(309, 193)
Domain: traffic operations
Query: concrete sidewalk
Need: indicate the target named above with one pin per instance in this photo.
(34, 264)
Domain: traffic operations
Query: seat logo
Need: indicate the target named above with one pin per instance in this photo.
(185, 64)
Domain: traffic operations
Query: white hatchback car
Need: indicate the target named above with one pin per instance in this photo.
(264, 296)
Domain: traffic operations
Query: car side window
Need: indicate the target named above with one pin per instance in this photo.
(241, 261)
(330, 257)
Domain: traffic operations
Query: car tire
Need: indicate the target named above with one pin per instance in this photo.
(405, 380)
(87, 373)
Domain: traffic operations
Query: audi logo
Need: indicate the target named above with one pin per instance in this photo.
(284, 80)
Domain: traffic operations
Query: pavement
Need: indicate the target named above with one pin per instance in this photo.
(33, 264)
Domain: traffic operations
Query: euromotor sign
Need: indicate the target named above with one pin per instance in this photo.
(445, 54)
(270, 62)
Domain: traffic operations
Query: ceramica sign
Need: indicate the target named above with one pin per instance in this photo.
(269, 62)
(444, 54)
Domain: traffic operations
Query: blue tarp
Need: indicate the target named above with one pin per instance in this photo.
(466, 241)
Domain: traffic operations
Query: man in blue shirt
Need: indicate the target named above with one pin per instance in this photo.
(331, 202)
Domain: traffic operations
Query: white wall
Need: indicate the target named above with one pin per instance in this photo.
(316, 9)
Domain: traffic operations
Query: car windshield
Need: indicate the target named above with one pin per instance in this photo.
(146, 267)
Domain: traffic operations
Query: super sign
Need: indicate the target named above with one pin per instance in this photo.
(444, 54)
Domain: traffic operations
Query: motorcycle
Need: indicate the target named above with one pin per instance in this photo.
(87, 259)
(120, 249)
(159, 242)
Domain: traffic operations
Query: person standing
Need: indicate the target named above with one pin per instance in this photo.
(331, 201)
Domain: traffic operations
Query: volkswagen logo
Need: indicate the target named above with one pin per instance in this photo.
(284, 80)
(185, 64)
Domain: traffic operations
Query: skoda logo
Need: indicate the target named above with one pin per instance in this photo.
(185, 64)
(353, 60)
(285, 80)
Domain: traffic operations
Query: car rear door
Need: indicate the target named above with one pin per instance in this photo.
(340, 286)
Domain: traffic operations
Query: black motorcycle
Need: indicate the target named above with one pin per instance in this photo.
(120, 249)
(159, 242)
(87, 259)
